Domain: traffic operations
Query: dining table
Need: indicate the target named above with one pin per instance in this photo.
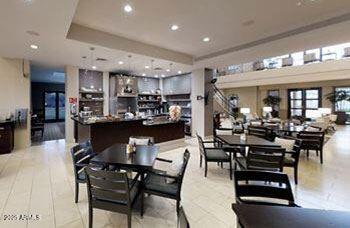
(286, 129)
(251, 140)
(261, 216)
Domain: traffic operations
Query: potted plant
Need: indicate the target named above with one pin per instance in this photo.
(335, 98)
(272, 101)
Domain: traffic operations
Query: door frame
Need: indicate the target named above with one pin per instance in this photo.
(57, 106)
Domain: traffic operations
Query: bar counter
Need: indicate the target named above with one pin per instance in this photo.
(105, 133)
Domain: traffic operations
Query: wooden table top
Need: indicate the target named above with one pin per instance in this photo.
(251, 140)
(289, 217)
(142, 159)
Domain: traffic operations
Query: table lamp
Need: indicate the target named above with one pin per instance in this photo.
(267, 111)
(245, 111)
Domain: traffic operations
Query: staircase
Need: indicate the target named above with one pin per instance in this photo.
(222, 100)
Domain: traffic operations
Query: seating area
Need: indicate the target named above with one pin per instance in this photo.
(179, 114)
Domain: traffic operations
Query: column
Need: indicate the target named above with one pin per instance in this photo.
(72, 91)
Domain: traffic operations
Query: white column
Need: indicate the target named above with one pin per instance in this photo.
(106, 93)
(72, 91)
(197, 89)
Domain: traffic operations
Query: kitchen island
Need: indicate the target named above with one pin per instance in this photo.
(104, 133)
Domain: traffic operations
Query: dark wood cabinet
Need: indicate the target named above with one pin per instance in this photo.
(6, 137)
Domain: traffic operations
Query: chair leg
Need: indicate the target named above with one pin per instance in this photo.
(230, 169)
(142, 203)
(296, 175)
(222, 165)
(307, 153)
(235, 166)
(177, 206)
(205, 169)
(317, 153)
(90, 217)
(321, 156)
(76, 192)
(200, 161)
(129, 219)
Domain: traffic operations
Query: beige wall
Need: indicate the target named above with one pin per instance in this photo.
(248, 97)
(15, 93)
(253, 96)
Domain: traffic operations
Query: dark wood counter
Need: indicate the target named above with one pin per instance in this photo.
(104, 134)
(6, 136)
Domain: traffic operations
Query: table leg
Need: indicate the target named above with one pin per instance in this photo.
(142, 182)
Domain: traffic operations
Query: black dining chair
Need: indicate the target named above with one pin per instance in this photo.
(182, 221)
(311, 140)
(111, 191)
(262, 132)
(212, 154)
(81, 156)
(264, 188)
(262, 158)
(291, 158)
(138, 140)
(156, 183)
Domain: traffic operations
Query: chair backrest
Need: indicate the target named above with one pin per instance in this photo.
(262, 187)
(108, 190)
(81, 155)
(182, 221)
(141, 140)
(183, 170)
(201, 145)
(265, 158)
(259, 131)
(316, 138)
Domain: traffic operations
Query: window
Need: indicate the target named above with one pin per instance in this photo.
(298, 58)
(316, 51)
(304, 102)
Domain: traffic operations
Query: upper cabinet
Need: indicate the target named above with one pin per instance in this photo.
(177, 85)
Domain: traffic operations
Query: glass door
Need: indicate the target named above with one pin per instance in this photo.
(54, 106)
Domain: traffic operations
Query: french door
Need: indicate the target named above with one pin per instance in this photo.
(304, 102)
(54, 106)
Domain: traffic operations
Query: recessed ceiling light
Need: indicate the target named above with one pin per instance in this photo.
(94, 67)
(167, 70)
(156, 76)
(120, 62)
(127, 8)
(206, 39)
(143, 74)
(163, 75)
(33, 46)
(179, 72)
(174, 27)
(147, 67)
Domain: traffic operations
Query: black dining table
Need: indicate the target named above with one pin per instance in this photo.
(259, 216)
(287, 129)
(251, 140)
(116, 155)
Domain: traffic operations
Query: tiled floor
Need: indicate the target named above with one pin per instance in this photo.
(39, 180)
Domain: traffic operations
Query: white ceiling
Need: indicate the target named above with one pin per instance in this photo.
(221, 20)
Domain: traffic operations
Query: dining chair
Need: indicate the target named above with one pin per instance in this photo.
(262, 132)
(81, 156)
(141, 140)
(263, 188)
(291, 158)
(212, 154)
(157, 183)
(312, 141)
(111, 191)
(182, 221)
(262, 158)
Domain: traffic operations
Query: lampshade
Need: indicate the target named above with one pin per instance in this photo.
(245, 110)
(325, 111)
(267, 109)
(313, 114)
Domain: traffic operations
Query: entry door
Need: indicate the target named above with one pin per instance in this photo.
(54, 106)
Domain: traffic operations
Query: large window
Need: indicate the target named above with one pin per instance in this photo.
(304, 102)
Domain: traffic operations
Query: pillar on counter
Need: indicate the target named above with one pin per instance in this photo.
(106, 93)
